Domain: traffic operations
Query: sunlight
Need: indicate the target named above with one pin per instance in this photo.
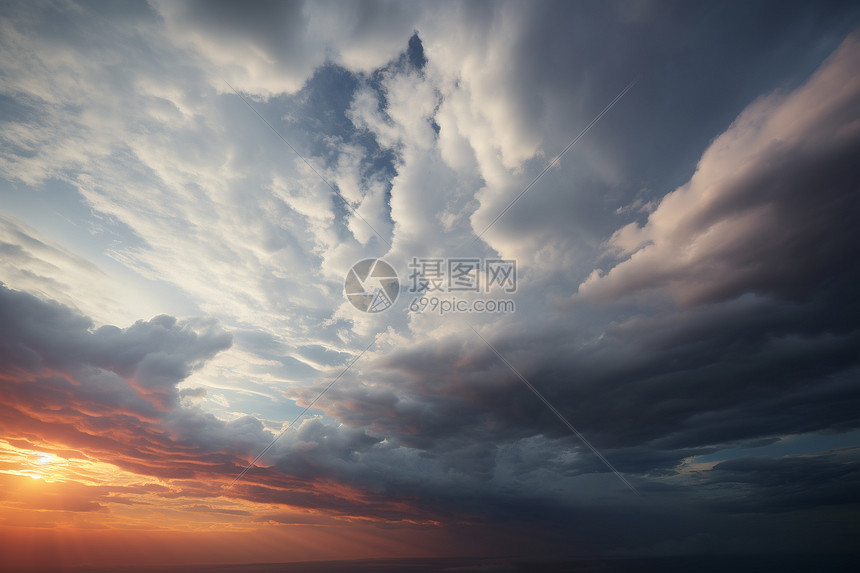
(43, 459)
(35, 464)
(43, 462)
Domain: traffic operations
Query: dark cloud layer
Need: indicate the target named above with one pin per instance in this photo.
(790, 483)
(461, 454)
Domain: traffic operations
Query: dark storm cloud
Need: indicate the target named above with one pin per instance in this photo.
(789, 483)
(659, 389)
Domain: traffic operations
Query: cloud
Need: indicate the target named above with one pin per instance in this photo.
(151, 356)
(769, 209)
(761, 234)
(790, 483)
(202, 208)
(112, 393)
(98, 390)
(31, 263)
(428, 426)
(273, 47)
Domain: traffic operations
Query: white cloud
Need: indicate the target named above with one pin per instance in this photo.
(273, 47)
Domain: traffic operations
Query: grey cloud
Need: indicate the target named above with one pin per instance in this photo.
(790, 483)
(157, 354)
(780, 223)
(192, 392)
(649, 392)
(683, 99)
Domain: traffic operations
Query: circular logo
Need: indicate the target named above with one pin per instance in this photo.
(371, 285)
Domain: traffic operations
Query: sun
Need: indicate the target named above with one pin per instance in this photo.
(35, 464)
(42, 459)
(41, 464)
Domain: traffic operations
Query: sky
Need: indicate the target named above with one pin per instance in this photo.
(185, 186)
